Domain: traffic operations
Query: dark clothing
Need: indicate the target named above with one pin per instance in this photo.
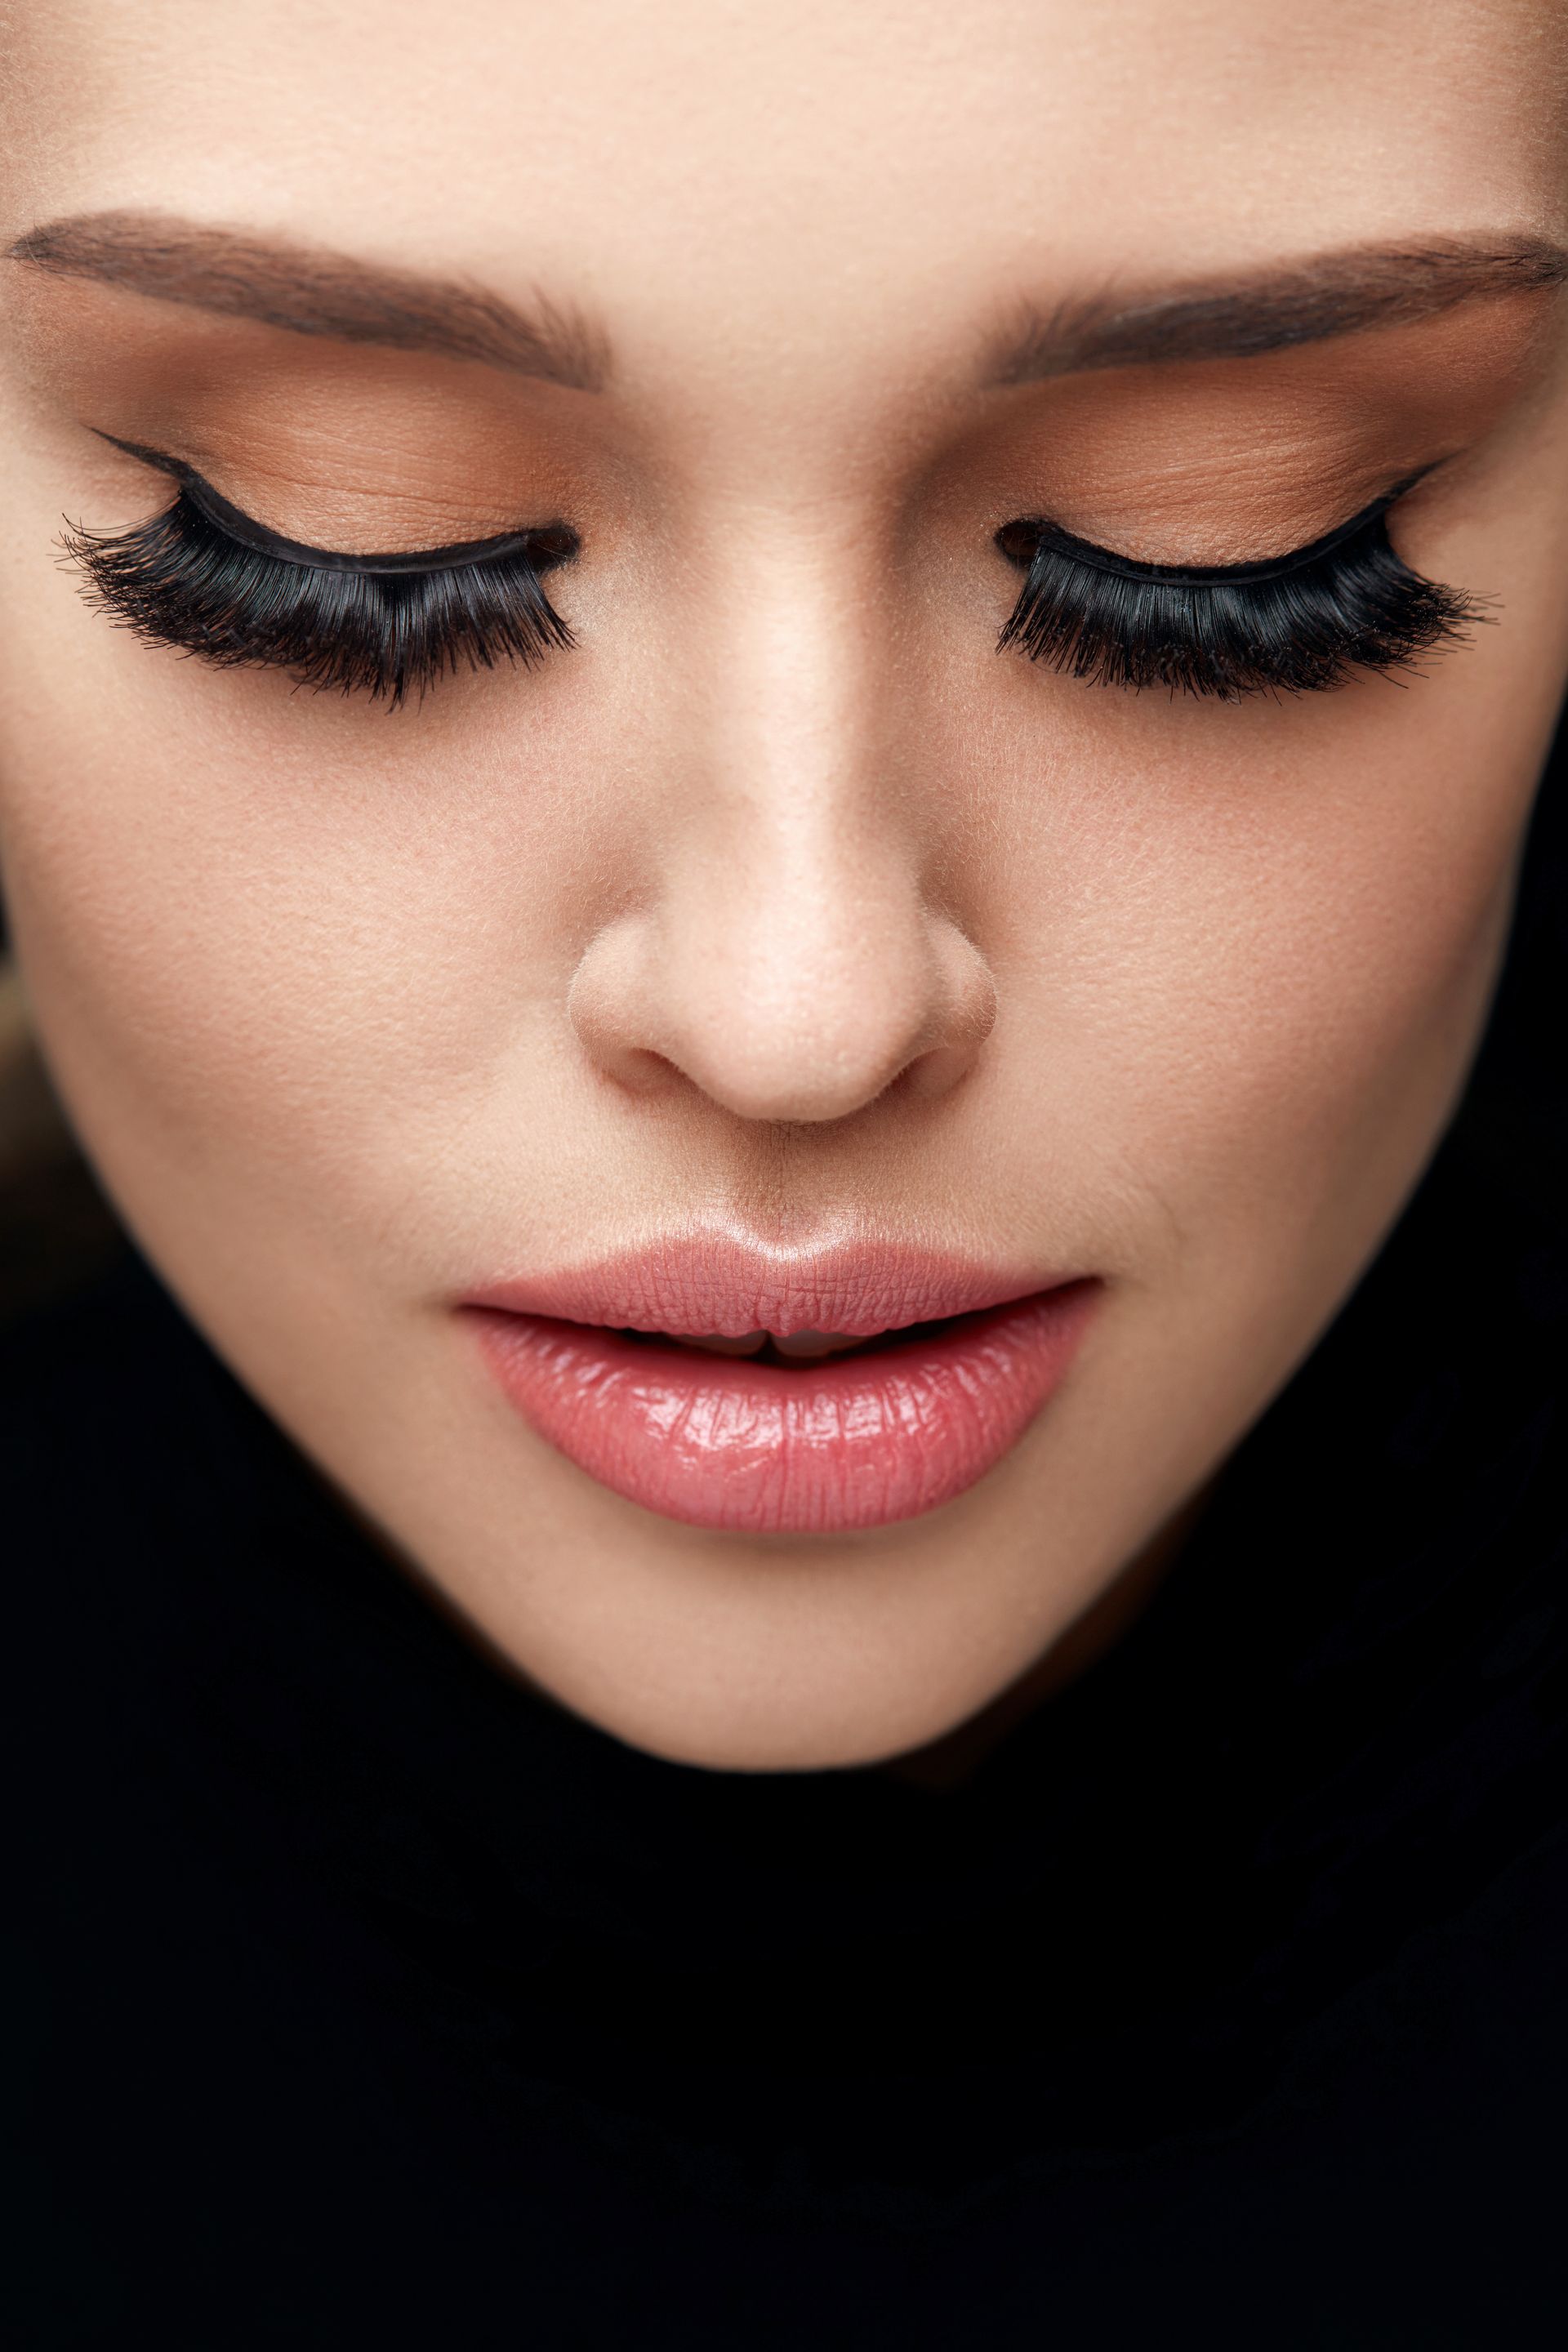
(359, 2000)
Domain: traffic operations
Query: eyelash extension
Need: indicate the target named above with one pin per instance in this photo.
(1298, 624)
(203, 576)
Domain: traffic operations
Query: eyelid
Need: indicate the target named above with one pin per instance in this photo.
(1044, 534)
(543, 546)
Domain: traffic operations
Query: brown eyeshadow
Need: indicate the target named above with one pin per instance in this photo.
(1227, 461)
(345, 445)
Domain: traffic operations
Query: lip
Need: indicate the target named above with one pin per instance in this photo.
(821, 1446)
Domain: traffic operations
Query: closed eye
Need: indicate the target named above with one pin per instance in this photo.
(205, 577)
(1298, 622)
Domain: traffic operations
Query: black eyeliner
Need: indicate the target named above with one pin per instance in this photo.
(1042, 533)
(545, 546)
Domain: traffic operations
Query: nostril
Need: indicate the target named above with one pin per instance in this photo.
(641, 1071)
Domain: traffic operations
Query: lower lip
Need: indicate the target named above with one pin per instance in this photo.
(857, 1441)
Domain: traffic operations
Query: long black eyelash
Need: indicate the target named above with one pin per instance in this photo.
(380, 627)
(1299, 624)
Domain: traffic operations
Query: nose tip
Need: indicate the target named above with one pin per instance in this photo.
(774, 1026)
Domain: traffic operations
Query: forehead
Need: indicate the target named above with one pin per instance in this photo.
(799, 179)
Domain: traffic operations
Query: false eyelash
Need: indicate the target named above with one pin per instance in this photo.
(385, 626)
(1300, 624)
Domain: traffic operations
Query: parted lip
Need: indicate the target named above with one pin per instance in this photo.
(720, 1287)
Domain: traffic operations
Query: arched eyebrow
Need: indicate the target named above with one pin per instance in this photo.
(314, 290)
(311, 291)
(1274, 309)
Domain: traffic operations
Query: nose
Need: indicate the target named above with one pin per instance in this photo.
(798, 986)
(783, 958)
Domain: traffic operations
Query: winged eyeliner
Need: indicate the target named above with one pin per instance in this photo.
(546, 543)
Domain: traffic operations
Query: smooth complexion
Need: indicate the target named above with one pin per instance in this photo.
(780, 913)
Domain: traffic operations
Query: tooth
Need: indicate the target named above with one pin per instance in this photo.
(804, 1346)
(813, 1343)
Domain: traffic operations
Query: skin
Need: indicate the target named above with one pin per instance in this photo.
(781, 902)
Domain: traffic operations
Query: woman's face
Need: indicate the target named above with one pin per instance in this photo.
(778, 955)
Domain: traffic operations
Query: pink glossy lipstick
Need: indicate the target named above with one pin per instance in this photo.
(728, 1386)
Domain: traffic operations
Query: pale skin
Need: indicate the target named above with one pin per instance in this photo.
(782, 900)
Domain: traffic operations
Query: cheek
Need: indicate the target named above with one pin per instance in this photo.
(267, 933)
(1256, 945)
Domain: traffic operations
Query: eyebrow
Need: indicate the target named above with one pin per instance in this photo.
(1275, 310)
(311, 291)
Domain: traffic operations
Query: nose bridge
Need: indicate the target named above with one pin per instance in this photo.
(796, 684)
(798, 806)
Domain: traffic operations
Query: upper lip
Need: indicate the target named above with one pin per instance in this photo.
(719, 1286)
